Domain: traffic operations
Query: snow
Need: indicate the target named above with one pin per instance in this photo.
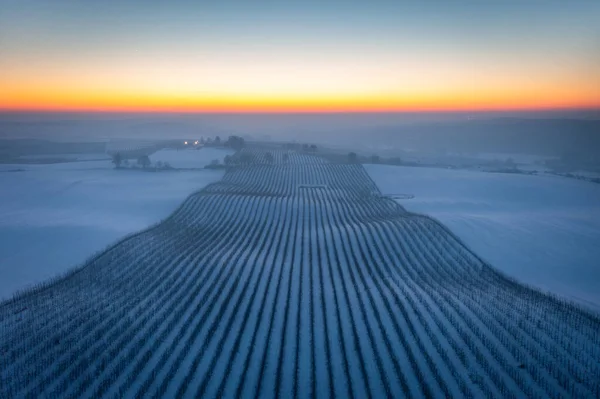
(542, 230)
(190, 158)
(53, 217)
(282, 292)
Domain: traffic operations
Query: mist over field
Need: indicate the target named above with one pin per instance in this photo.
(571, 134)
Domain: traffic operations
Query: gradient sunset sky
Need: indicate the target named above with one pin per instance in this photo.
(223, 55)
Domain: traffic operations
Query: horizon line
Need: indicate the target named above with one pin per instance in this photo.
(160, 110)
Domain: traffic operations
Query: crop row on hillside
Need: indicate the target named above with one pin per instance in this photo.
(294, 278)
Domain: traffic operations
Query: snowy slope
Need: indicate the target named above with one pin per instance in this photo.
(293, 280)
(543, 230)
(53, 217)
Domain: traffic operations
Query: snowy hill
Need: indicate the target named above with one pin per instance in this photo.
(294, 279)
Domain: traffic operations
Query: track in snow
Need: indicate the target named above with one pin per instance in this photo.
(296, 280)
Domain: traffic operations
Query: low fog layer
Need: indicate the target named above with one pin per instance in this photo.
(572, 134)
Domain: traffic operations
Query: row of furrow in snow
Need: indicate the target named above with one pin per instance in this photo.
(472, 319)
(532, 301)
(70, 339)
(335, 178)
(94, 334)
(438, 383)
(277, 157)
(549, 366)
(96, 340)
(409, 279)
(110, 263)
(471, 288)
(215, 383)
(540, 356)
(218, 327)
(294, 277)
(169, 308)
(22, 319)
(217, 267)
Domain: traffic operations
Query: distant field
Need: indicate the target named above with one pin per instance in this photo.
(294, 278)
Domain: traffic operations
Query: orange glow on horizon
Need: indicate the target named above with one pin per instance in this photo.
(256, 84)
(320, 103)
(294, 88)
(297, 106)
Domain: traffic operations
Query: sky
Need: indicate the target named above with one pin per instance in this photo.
(288, 56)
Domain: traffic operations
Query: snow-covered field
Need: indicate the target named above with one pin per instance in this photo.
(290, 279)
(53, 217)
(543, 230)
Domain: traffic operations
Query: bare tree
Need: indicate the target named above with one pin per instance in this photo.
(144, 160)
(116, 159)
